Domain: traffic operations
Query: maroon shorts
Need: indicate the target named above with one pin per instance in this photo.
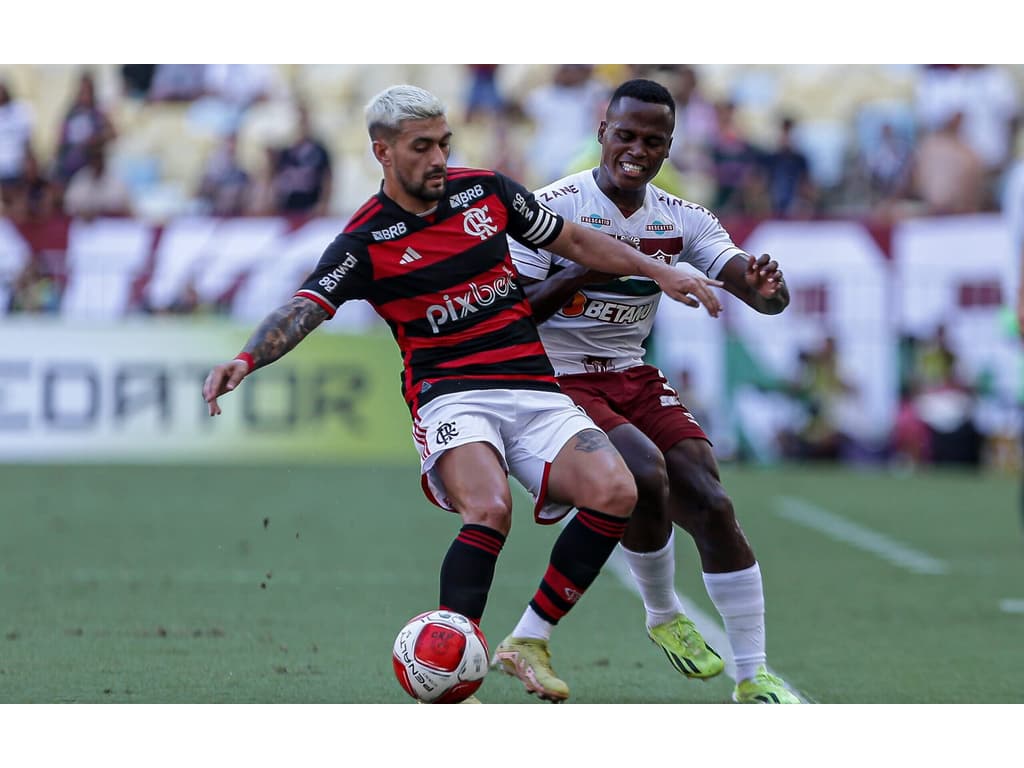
(640, 396)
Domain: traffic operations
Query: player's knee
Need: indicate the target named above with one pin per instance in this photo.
(711, 515)
(651, 481)
(718, 506)
(614, 493)
(493, 511)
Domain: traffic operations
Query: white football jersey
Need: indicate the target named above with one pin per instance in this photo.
(602, 328)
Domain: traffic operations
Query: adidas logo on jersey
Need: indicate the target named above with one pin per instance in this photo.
(409, 256)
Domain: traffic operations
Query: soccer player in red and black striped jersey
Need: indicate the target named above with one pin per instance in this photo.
(430, 254)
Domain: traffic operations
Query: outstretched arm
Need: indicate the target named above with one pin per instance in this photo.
(756, 281)
(606, 254)
(278, 334)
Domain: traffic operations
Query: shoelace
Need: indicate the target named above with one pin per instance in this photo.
(684, 632)
(767, 677)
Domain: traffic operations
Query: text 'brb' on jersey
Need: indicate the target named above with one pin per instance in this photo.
(610, 321)
(445, 284)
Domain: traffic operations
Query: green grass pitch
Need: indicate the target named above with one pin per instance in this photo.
(159, 584)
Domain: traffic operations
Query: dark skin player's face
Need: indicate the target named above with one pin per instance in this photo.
(415, 163)
(635, 139)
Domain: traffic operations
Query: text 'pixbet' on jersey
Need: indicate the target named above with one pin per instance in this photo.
(458, 307)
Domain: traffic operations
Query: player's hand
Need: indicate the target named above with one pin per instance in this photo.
(222, 379)
(692, 290)
(763, 275)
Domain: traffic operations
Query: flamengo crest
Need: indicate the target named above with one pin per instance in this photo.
(477, 223)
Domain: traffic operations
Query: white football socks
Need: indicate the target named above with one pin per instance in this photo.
(655, 575)
(532, 625)
(739, 598)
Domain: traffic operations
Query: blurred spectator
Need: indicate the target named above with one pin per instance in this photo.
(788, 177)
(910, 441)
(1013, 212)
(820, 388)
(935, 422)
(301, 173)
(885, 167)
(96, 191)
(85, 127)
(564, 113)
(225, 188)
(136, 80)
(31, 197)
(242, 84)
(696, 119)
(15, 135)
(178, 82)
(505, 154)
(933, 363)
(1012, 206)
(189, 303)
(948, 176)
(483, 96)
(735, 162)
(229, 90)
(35, 291)
(987, 97)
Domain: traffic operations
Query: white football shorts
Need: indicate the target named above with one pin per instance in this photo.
(526, 427)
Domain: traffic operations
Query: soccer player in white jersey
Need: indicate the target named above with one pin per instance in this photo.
(593, 330)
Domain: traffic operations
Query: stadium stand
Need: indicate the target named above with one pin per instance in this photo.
(161, 146)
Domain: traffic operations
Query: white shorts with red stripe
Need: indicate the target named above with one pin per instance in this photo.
(526, 427)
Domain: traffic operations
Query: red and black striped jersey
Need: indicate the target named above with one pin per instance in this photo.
(445, 284)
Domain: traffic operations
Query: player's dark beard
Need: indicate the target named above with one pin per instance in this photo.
(420, 191)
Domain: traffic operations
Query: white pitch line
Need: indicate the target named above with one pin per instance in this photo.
(840, 529)
(1011, 606)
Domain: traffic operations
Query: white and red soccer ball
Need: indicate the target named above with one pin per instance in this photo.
(440, 657)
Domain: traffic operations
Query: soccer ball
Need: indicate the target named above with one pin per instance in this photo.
(440, 657)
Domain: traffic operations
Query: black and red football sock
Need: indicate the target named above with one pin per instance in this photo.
(468, 570)
(577, 557)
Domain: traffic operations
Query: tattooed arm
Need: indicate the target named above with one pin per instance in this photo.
(277, 335)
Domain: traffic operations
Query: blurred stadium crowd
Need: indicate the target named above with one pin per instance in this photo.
(162, 140)
(191, 144)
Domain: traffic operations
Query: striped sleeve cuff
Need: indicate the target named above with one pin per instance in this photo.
(316, 298)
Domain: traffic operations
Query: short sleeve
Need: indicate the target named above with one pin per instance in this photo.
(535, 264)
(529, 221)
(342, 274)
(709, 245)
